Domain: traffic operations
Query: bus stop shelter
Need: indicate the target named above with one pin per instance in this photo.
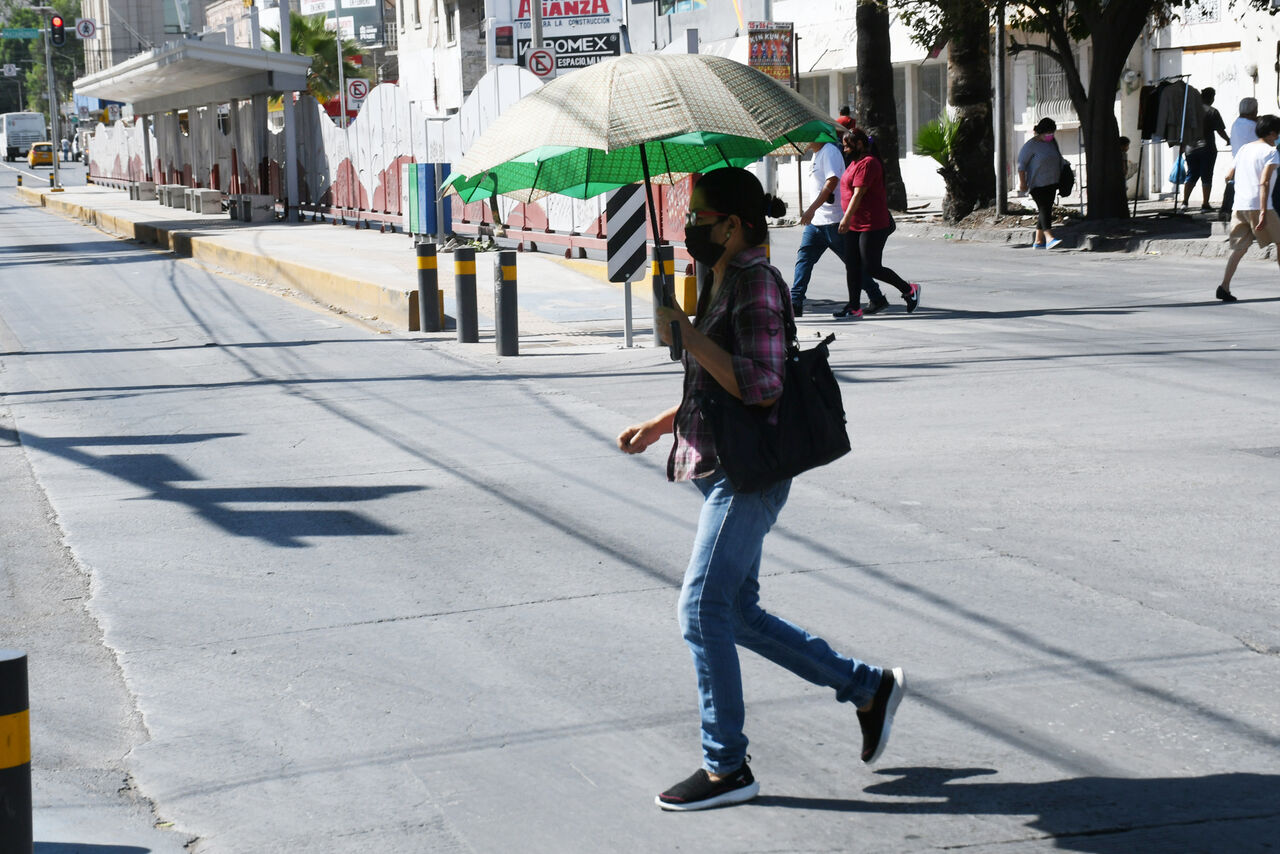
(192, 75)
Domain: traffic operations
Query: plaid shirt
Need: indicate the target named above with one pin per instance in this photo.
(753, 331)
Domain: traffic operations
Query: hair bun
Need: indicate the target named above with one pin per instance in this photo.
(774, 206)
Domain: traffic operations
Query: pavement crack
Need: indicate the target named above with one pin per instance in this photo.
(1258, 646)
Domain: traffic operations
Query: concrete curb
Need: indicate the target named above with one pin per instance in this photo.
(1190, 245)
(357, 296)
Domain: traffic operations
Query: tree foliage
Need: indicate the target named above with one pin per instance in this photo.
(309, 37)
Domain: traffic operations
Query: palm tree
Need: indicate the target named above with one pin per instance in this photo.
(308, 37)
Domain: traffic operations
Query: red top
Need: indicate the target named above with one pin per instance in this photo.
(873, 213)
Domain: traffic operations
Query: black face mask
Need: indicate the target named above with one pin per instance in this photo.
(697, 239)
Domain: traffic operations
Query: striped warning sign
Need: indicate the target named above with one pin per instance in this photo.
(624, 224)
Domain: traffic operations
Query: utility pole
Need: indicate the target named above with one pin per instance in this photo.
(290, 127)
(342, 77)
(54, 179)
(1002, 164)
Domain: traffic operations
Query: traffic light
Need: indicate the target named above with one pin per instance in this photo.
(57, 30)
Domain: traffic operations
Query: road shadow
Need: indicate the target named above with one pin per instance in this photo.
(1235, 813)
(164, 477)
(86, 848)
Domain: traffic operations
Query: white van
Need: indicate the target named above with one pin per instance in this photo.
(18, 131)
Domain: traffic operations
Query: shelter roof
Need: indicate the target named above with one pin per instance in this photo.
(190, 72)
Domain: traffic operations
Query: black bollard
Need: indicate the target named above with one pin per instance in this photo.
(15, 755)
(505, 313)
(464, 294)
(429, 319)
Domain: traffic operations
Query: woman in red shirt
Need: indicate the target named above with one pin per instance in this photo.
(866, 226)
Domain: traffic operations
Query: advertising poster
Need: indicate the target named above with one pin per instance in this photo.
(360, 20)
(770, 48)
(581, 32)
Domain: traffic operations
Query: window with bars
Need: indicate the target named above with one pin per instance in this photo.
(1047, 82)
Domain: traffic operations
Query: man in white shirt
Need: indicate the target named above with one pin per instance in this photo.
(821, 219)
(1242, 129)
(1255, 216)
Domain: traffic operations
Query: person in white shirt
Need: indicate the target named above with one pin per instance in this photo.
(1255, 216)
(1242, 129)
(1242, 133)
(820, 219)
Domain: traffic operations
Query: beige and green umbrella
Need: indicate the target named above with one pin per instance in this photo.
(593, 130)
(650, 117)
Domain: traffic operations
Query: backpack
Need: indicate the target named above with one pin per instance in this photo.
(1067, 177)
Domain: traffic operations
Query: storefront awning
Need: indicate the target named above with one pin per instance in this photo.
(183, 73)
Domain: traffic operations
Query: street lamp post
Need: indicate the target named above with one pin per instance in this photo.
(54, 180)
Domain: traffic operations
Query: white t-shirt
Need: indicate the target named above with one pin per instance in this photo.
(827, 162)
(1250, 162)
(1243, 132)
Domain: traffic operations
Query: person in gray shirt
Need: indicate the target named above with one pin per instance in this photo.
(1040, 169)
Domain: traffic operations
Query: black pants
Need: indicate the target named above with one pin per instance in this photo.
(1044, 197)
(863, 264)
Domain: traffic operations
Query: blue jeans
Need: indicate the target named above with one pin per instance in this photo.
(719, 607)
(815, 240)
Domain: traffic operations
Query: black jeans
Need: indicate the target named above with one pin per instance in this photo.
(863, 264)
(1044, 197)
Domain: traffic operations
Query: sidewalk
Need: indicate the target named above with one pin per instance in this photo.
(373, 276)
(364, 273)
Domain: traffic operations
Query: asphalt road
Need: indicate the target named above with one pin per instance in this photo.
(353, 591)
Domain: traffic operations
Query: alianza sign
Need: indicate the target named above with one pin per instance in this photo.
(581, 32)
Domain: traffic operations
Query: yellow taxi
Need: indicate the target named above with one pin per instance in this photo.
(41, 154)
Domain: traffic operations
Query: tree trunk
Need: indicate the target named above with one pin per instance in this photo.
(877, 108)
(1105, 180)
(971, 176)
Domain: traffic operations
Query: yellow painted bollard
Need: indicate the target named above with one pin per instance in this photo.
(430, 317)
(505, 311)
(15, 755)
(688, 290)
(464, 294)
(19, 179)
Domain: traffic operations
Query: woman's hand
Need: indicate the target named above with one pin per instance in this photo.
(666, 316)
(637, 438)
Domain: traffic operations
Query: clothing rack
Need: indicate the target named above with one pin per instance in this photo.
(1182, 143)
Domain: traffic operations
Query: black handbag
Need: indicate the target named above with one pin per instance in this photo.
(809, 430)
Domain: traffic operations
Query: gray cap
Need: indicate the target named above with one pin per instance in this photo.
(1248, 106)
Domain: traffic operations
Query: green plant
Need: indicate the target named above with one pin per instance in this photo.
(936, 138)
(309, 37)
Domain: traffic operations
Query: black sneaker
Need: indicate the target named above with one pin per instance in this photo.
(912, 298)
(1224, 294)
(700, 792)
(877, 720)
(876, 306)
(797, 308)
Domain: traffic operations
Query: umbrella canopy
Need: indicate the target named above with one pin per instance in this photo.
(583, 134)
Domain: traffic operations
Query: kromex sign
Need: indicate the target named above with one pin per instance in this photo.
(580, 32)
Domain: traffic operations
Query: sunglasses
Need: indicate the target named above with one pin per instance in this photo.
(692, 217)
